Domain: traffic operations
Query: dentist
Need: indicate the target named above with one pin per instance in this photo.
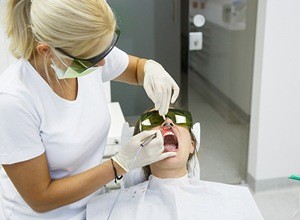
(54, 119)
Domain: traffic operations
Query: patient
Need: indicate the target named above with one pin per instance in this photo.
(181, 164)
(169, 192)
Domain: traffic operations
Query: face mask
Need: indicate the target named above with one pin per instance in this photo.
(70, 73)
(71, 70)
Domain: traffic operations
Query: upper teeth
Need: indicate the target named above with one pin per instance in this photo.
(168, 133)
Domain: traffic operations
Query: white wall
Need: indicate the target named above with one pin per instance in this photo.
(274, 148)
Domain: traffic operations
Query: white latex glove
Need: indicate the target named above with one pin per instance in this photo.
(159, 86)
(150, 153)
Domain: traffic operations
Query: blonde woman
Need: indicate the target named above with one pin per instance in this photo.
(53, 114)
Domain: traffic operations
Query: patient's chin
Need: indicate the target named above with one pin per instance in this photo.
(172, 162)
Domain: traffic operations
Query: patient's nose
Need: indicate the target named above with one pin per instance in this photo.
(168, 124)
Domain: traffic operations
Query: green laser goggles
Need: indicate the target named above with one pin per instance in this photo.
(80, 65)
(179, 117)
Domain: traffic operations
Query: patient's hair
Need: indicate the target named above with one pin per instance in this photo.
(146, 169)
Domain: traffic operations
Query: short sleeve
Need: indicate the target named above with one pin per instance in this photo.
(20, 138)
(116, 63)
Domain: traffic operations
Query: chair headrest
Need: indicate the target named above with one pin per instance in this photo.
(196, 130)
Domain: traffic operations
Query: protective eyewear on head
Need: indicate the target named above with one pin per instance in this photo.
(80, 65)
(179, 117)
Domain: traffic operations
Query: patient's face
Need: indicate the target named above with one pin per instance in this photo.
(176, 139)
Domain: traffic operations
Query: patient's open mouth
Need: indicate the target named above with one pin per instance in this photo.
(170, 141)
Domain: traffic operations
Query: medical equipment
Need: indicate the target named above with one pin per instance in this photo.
(295, 177)
(145, 142)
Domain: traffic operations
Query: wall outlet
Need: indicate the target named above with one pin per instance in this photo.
(196, 40)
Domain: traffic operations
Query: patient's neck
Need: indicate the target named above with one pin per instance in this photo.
(168, 173)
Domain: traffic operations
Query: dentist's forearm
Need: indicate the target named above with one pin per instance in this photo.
(71, 189)
(32, 180)
(134, 73)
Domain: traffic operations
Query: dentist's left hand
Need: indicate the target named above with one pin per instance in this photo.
(159, 86)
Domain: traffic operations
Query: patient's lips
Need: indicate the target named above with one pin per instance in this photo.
(170, 140)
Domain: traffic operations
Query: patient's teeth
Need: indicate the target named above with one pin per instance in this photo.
(168, 133)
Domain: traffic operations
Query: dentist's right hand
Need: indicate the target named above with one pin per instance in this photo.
(150, 153)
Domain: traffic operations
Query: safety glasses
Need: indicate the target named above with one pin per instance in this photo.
(80, 65)
(179, 117)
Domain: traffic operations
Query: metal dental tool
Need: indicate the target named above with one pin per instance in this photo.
(148, 140)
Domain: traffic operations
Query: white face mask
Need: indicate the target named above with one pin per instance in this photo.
(70, 72)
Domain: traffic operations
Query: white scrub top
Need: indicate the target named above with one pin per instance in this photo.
(73, 134)
(177, 198)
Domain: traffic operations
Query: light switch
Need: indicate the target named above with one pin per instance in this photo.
(196, 40)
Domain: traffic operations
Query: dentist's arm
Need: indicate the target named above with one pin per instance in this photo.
(159, 85)
(32, 180)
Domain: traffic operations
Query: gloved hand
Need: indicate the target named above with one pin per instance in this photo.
(150, 153)
(159, 86)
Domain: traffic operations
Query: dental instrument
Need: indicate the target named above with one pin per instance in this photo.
(148, 140)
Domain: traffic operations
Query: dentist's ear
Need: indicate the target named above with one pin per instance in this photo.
(43, 49)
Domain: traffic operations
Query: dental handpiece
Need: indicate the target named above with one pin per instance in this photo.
(148, 140)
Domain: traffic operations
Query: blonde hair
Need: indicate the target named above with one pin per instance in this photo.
(82, 28)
